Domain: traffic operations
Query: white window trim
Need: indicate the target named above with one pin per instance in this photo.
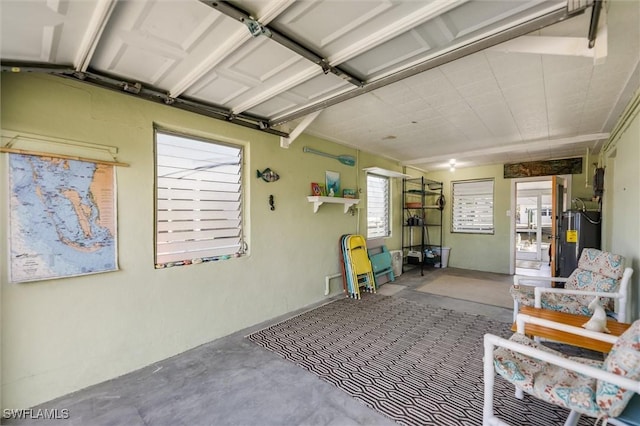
(388, 207)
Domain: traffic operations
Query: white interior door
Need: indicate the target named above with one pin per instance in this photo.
(532, 228)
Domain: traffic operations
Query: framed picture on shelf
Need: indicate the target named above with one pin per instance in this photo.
(316, 189)
(332, 180)
(348, 193)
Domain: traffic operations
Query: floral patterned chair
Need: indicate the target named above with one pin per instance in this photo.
(599, 273)
(599, 389)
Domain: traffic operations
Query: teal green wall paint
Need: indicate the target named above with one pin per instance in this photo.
(491, 252)
(473, 251)
(621, 204)
(62, 335)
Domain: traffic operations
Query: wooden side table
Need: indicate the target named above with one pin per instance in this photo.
(616, 328)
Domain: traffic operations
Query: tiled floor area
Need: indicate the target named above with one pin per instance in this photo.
(233, 382)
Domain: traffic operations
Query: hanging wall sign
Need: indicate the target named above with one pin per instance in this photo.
(567, 166)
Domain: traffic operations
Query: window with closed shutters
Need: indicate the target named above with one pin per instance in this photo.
(198, 199)
(378, 211)
(472, 206)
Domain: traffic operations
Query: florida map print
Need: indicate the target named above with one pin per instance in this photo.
(62, 217)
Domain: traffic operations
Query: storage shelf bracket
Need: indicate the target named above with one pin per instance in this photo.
(318, 201)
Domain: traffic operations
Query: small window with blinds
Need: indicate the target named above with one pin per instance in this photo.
(378, 206)
(472, 206)
(198, 200)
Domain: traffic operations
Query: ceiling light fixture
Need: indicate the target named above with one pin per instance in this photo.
(452, 165)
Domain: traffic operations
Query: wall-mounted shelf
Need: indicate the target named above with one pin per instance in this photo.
(385, 172)
(318, 201)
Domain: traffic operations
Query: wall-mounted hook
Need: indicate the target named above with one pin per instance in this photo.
(271, 204)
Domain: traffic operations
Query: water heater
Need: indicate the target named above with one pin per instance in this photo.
(578, 229)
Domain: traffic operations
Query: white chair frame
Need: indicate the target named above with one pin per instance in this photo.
(621, 295)
(492, 341)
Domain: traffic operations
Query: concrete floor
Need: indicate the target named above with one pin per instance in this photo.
(231, 381)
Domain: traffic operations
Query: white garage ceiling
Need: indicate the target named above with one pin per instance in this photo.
(422, 81)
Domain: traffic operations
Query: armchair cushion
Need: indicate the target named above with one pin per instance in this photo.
(603, 263)
(597, 271)
(568, 303)
(523, 294)
(623, 359)
(547, 381)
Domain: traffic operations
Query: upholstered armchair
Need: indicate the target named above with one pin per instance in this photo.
(598, 273)
(600, 389)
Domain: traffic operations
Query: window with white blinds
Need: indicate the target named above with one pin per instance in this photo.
(198, 200)
(378, 206)
(472, 206)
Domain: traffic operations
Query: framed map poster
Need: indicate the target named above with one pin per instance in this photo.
(62, 217)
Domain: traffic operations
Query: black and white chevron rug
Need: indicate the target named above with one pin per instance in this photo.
(417, 364)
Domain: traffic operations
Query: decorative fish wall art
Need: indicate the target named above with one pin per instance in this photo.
(268, 175)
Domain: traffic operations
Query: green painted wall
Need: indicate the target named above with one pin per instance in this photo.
(62, 335)
(490, 252)
(478, 252)
(621, 227)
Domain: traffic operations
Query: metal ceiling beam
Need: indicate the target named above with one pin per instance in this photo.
(468, 49)
(232, 43)
(601, 47)
(261, 28)
(220, 53)
(593, 25)
(274, 91)
(380, 36)
(99, 19)
(150, 94)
